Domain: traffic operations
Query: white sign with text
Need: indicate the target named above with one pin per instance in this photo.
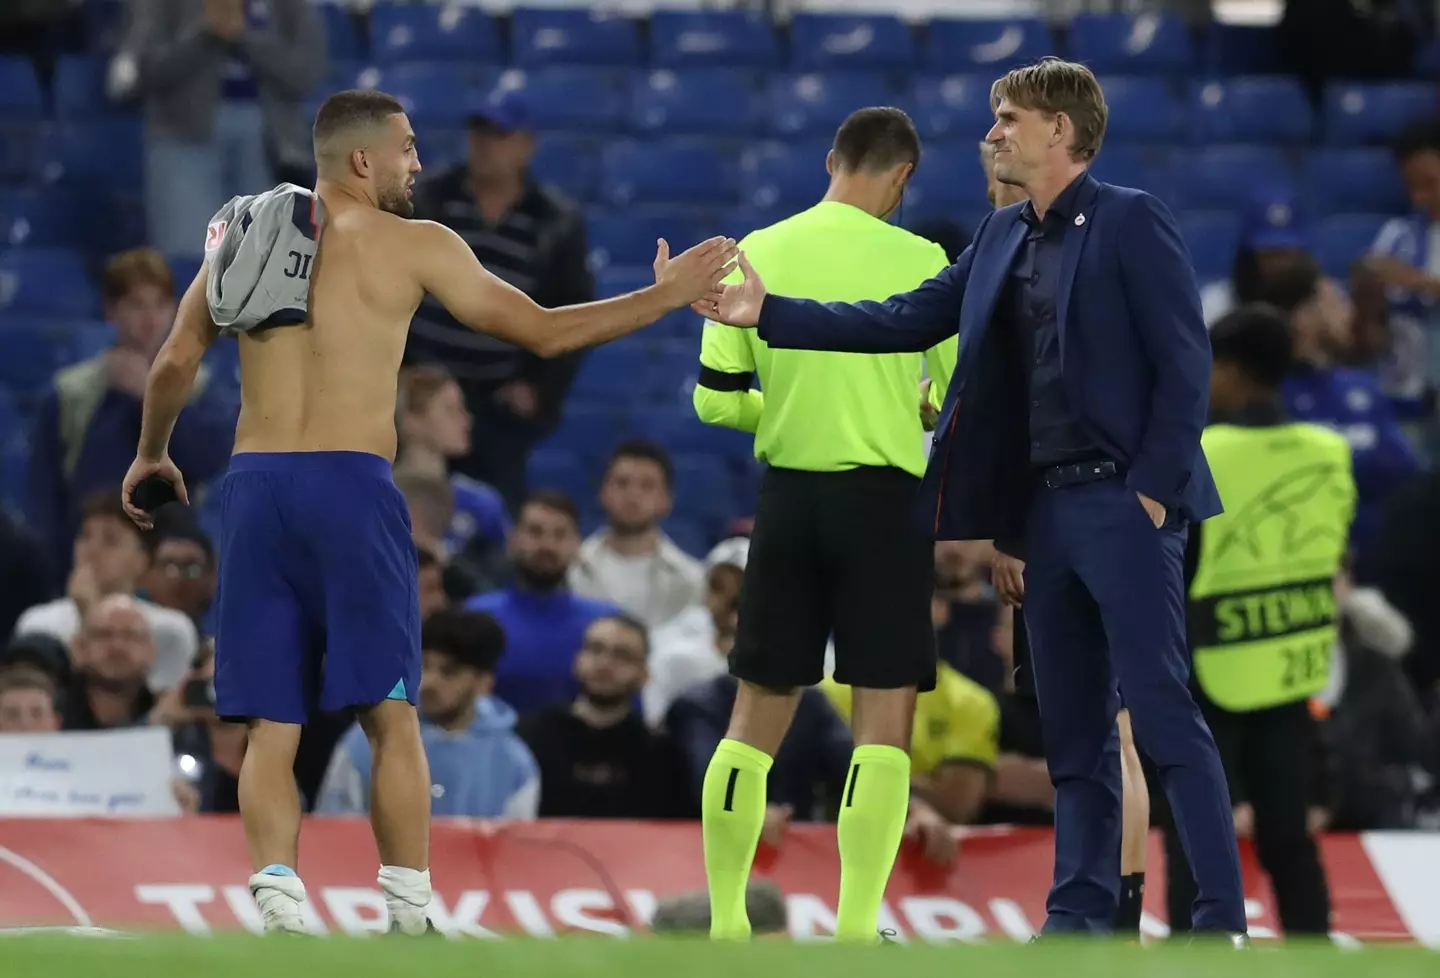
(112, 772)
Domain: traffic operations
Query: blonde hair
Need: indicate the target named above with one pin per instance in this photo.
(131, 269)
(1053, 87)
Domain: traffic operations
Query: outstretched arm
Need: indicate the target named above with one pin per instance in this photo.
(446, 268)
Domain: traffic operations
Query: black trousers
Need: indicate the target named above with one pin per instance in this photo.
(1270, 761)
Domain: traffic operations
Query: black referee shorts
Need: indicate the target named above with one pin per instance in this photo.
(837, 552)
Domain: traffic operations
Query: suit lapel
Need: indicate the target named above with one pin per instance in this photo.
(975, 319)
(1075, 235)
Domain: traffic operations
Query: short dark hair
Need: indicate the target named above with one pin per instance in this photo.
(356, 108)
(645, 451)
(107, 504)
(875, 139)
(1416, 137)
(1256, 339)
(176, 523)
(552, 499)
(1293, 286)
(470, 638)
(27, 677)
(635, 625)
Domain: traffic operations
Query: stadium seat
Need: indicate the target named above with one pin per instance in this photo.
(80, 88)
(89, 340)
(681, 432)
(20, 93)
(986, 45)
(440, 148)
(614, 279)
(1142, 167)
(827, 42)
(72, 214)
(1353, 181)
(666, 172)
(571, 98)
(1124, 44)
(783, 175)
(615, 373)
(108, 152)
(702, 487)
(46, 282)
(1212, 237)
(587, 435)
(1356, 112)
(433, 94)
(343, 39)
(1144, 110)
(29, 355)
(185, 268)
(736, 223)
(1251, 110)
(812, 105)
(104, 24)
(1233, 49)
(689, 535)
(573, 36)
(953, 107)
(730, 39)
(426, 32)
(20, 141)
(1226, 177)
(1343, 238)
(948, 181)
(625, 239)
(707, 101)
(567, 162)
(563, 471)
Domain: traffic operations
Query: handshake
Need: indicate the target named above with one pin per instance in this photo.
(695, 277)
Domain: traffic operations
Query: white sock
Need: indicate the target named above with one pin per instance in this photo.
(407, 897)
(279, 898)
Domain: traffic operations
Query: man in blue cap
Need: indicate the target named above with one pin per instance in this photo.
(532, 237)
(1274, 236)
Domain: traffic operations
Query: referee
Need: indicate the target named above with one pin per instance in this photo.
(836, 548)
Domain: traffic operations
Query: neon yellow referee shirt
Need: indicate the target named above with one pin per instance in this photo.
(820, 411)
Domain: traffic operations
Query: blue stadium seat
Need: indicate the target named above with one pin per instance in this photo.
(185, 268)
(1145, 168)
(1232, 49)
(731, 39)
(681, 432)
(20, 93)
(1226, 177)
(612, 279)
(573, 36)
(89, 340)
(80, 88)
(806, 105)
(783, 175)
(948, 181)
(567, 162)
(689, 535)
(74, 214)
(29, 355)
(1131, 43)
(1212, 237)
(46, 282)
(986, 45)
(343, 40)
(1251, 110)
(572, 98)
(614, 374)
(736, 223)
(104, 24)
(20, 141)
(625, 239)
(708, 101)
(433, 94)
(1353, 181)
(826, 42)
(953, 107)
(666, 172)
(588, 435)
(440, 147)
(1343, 238)
(1356, 112)
(677, 361)
(1145, 110)
(424, 32)
(702, 487)
(31, 217)
(109, 152)
(548, 469)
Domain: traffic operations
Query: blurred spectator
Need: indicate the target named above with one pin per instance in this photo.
(223, 83)
(432, 583)
(692, 648)
(43, 652)
(963, 611)
(1021, 793)
(478, 766)
(435, 427)
(1324, 39)
(544, 622)
(25, 573)
(1275, 235)
(110, 558)
(1350, 401)
(112, 655)
(431, 503)
(1405, 564)
(27, 702)
(182, 568)
(534, 239)
(630, 561)
(1390, 345)
(597, 758)
(88, 425)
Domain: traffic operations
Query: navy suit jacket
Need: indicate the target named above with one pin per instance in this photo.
(1135, 359)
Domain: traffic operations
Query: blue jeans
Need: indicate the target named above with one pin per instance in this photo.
(186, 183)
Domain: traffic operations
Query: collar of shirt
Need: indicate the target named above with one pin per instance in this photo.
(1063, 206)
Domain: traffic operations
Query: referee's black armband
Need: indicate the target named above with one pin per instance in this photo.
(719, 380)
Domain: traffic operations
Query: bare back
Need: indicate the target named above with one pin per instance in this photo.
(329, 385)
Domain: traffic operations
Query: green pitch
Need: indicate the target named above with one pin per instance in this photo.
(250, 957)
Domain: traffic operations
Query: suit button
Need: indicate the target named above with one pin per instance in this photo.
(1034, 403)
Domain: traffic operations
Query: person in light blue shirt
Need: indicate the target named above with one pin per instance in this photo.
(544, 621)
(479, 767)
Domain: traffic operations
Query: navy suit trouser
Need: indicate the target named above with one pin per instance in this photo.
(1105, 610)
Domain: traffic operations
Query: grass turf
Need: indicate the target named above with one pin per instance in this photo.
(48, 956)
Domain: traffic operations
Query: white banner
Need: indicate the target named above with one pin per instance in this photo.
(113, 772)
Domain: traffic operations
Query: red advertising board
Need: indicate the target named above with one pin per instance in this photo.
(557, 877)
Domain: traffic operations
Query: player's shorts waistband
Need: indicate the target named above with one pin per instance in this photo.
(358, 464)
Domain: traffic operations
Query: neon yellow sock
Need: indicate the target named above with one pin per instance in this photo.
(872, 822)
(732, 810)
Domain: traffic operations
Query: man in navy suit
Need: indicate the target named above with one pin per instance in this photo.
(1071, 437)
